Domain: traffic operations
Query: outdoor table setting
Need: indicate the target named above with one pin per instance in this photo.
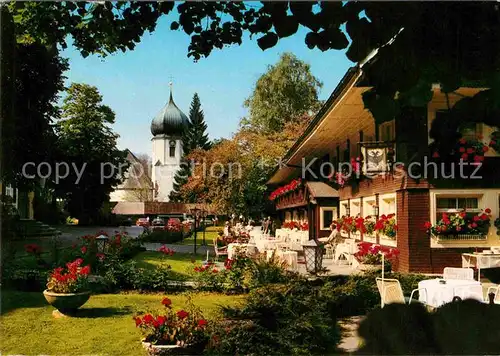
(234, 249)
(441, 291)
(346, 249)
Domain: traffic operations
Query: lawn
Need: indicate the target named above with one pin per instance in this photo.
(210, 235)
(104, 324)
(180, 263)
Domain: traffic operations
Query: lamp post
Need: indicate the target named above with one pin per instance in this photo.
(204, 214)
(314, 256)
(101, 241)
(196, 214)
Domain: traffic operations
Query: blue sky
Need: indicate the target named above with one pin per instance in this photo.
(135, 84)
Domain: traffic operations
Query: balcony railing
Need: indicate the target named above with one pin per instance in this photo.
(377, 156)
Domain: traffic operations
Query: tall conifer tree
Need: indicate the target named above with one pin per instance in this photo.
(195, 137)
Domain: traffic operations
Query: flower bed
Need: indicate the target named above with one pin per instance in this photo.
(461, 226)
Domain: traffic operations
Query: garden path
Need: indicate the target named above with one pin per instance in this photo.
(350, 341)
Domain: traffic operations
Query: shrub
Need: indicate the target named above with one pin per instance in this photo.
(467, 327)
(241, 274)
(127, 276)
(163, 236)
(358, 294)
(286, 319)
(26, 280)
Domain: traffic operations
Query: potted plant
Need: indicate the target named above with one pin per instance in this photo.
(173, 333)
(68, 288)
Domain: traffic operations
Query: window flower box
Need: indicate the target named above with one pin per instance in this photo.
(454, 237)
(461, 226)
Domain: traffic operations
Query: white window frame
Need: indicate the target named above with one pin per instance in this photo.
(455, 194)
(322, 210)
(343, 207)
(368, 206)
(385, 207)
(355, 203)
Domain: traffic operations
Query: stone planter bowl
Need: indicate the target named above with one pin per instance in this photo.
(66, 303)
(160, 350)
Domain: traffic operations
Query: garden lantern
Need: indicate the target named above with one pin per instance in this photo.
(314, 256)
(101, 241)
(196, 214)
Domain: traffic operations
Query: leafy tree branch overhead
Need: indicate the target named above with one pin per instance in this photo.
(419, 43)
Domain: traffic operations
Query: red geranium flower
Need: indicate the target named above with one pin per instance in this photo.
(85, 270)
(487, 211)
(462, 149)
(84, 249)
(462, 141)
(166, 302)
(202, 323)
(182, 314)
(138, 321)
(148, 319)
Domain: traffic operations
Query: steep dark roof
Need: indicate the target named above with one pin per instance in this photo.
(170, 121)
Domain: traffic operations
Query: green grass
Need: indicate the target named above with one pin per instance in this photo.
(180, 263)
(104, 324)
(210, 235)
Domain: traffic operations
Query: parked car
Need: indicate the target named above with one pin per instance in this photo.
(144, 222)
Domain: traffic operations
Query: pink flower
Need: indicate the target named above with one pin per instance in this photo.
(84, 249)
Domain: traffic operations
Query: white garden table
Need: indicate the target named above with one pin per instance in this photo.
(480, 260)
(438, 293)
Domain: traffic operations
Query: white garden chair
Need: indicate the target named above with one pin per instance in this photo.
(391, 292)
(458, 273)
(219, 251)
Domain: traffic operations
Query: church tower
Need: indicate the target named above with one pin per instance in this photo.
(167, 129)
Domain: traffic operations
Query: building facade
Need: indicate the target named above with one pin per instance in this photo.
(395, 173)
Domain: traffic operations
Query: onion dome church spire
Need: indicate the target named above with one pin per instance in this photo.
(170, 121)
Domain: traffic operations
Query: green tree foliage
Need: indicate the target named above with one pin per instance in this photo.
(194, 138)
(466, 327)
(29, 105)
(419, 43)
(284, 93)
(196, 134)
(86, 141)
